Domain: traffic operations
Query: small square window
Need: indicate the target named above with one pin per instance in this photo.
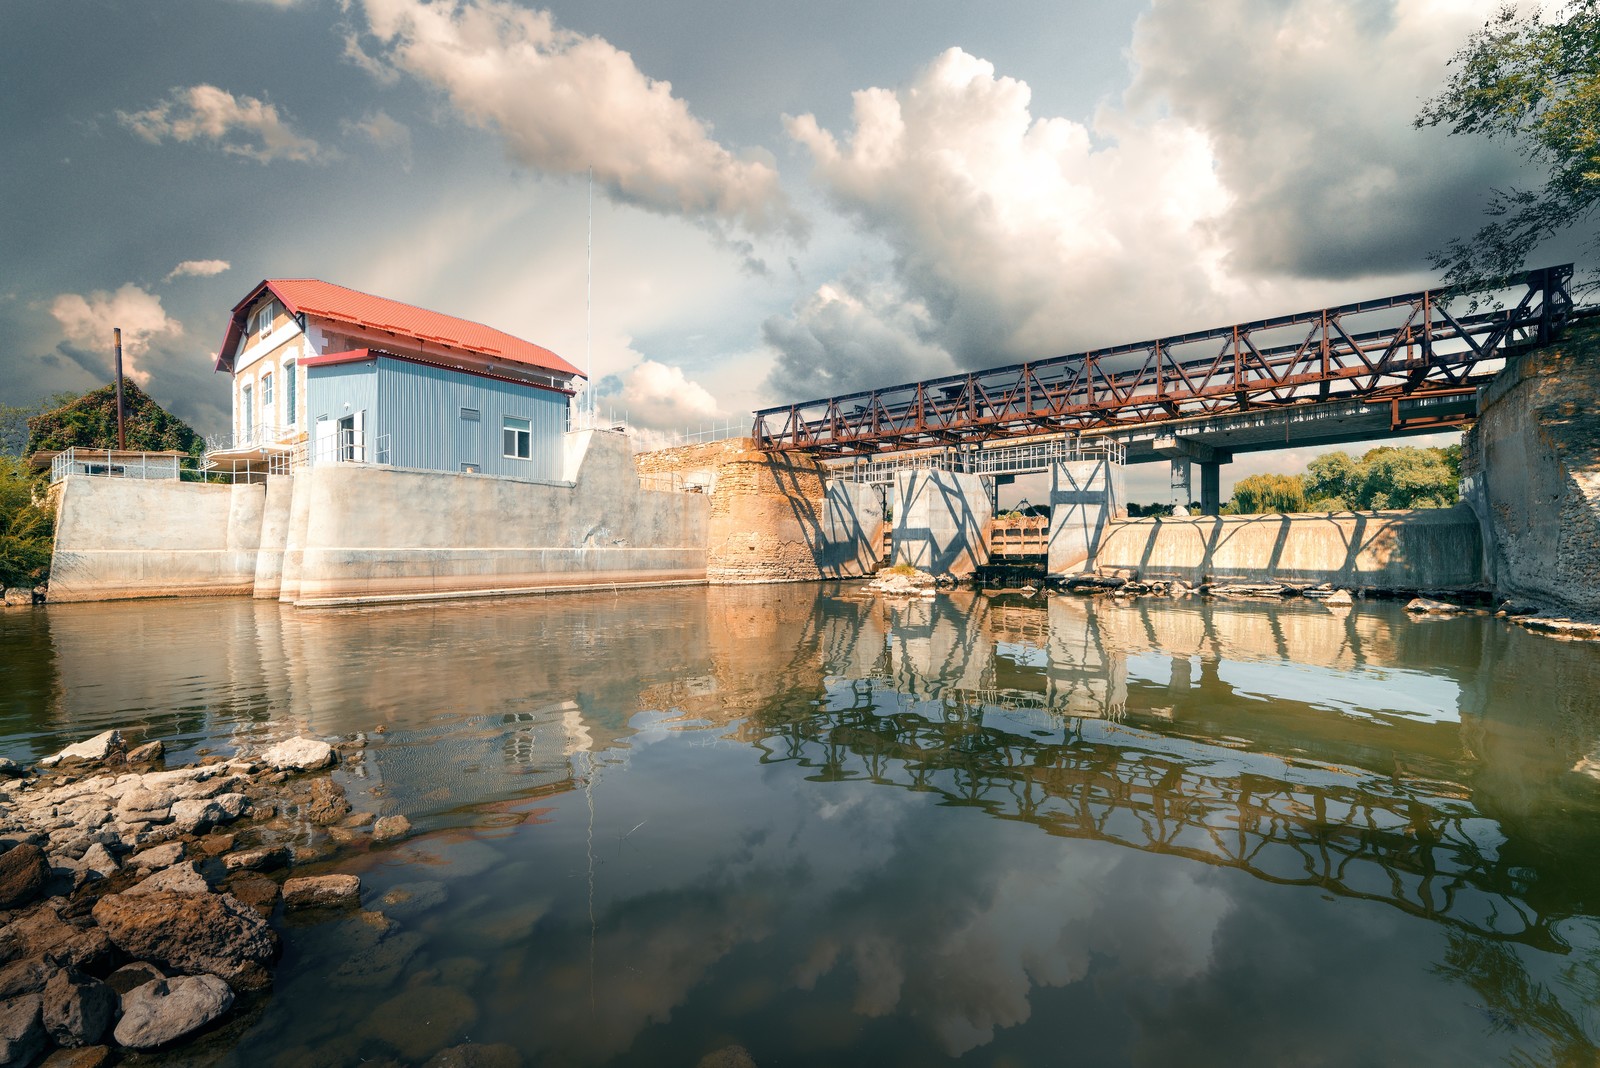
(518, 438)
(469, 469)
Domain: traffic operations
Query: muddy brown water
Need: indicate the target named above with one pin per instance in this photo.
(835, 829)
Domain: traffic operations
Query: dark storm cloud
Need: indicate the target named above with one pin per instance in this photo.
(1308, 108)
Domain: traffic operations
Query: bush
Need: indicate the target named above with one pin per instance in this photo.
(27, 525)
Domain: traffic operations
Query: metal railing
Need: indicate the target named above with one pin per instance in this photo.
(113, 463)
(1004, 460)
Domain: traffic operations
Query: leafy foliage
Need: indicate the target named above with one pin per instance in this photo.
(1535, 82)
(1385, 477)
(14, 421)
(1256, 494)
(26, 525)
(90, 422)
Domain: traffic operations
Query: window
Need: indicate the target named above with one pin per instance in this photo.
(265, 316)
(289, 393)
(469, 469)
(518, 438)
(266, 390)
(471, 414)
(247, 415)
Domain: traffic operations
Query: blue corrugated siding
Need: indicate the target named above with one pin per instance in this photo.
(419, 408)
(339, 390)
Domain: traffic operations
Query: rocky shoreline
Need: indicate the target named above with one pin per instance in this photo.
(141, 906)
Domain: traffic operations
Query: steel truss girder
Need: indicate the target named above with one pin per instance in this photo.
(1425, 347)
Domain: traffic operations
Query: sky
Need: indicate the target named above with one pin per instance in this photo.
(788, 201)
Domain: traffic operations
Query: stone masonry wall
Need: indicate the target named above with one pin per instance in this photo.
(774, 517)
(1531, 471)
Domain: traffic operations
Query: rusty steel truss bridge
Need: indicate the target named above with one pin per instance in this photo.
(1399, 364)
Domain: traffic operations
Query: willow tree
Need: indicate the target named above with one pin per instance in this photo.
(1533, 80)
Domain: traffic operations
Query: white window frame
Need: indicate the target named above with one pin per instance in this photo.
(266, 389)
(265, 315)
(523, 442)
(247, 414)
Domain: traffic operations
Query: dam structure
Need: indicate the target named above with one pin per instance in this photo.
(836, 488)
(1382, 368)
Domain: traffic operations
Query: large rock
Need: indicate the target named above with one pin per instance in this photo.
(164, 1011)
(197, 815)
(212, 933)
(77, 1009)
(24, 870)
(299, 754)
(99, 747)
(22, 1033)
(182, 878)
(1429, 606)
(391, 829)
(328, 804)
(322, 892)
(87, 1057)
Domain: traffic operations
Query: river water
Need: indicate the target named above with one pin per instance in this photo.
(836, 829)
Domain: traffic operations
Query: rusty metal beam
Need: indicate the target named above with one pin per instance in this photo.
(1329, 356)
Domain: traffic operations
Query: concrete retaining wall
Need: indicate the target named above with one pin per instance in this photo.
(1531, 472)
(377, 533)
(118, 538)
(347, 533)
(1415, 549)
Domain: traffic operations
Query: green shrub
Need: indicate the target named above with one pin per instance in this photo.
(27, 525)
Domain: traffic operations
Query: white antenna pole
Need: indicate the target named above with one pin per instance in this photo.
(588, 304)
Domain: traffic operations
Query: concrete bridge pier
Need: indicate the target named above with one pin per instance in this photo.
(1085, 496)
(1183, 453)
(941, 521)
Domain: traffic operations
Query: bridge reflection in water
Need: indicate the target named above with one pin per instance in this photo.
(1119, 724)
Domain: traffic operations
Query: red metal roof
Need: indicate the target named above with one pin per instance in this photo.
(311, 296)
(328, 359)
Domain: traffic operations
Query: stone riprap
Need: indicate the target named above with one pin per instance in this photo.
(137, 902)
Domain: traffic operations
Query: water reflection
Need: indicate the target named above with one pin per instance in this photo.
(838, 828)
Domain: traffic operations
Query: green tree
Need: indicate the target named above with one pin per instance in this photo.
(1385, 477)
(1534, 81)
(26, 525)
(14, 420)
(1257, 494)
(90, 422)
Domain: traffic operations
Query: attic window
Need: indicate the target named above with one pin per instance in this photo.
(264, 317)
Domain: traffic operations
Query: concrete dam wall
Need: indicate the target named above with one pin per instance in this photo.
(1411, 549)
(352, 533)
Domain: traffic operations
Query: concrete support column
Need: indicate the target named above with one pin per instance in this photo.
(941, 521)
(1184, 452)
(1210, 489)
(1182, 486)
(1085, 496)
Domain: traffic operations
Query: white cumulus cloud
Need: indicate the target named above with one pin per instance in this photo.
(239, 125)
(655, 396)
(1007, 231)
(88, 321)
(565, 101)
(198, 269)
(1210, 192)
